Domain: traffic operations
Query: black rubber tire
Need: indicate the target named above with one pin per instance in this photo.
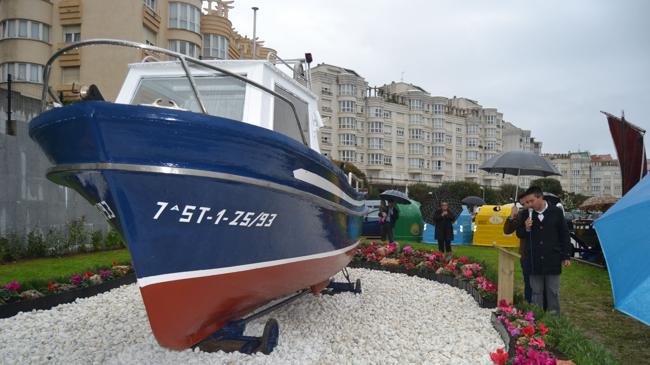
(270, 336)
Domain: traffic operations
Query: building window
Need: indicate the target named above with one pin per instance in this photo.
(491, 132)
(184, 16)
(472, 155)
(472, 168)
(437, 165)
(472, 142)
(347, 90)
(348, 156)
(388, 114)
(151, 4)
(215, 46)
(71, 33)
(416, 104)
(416, 134)
(387, 160)
(347, 139)
(375, 159)
(415, 119)
(184, 47)
(325, 138)
(491, 119)
(375, 143)
(459, 141)
(400, 132)
(416, 163)
(347, 106)
(438, 123)
(388, 129)
(438, 108)
(347, 123)
(491, 146)
(376, 112)
(438, 151)
(22, 28)
(472, 129)
(416, 148)
(70, 75)
(359, 157)
(459, 155)
(27, 72)
(375, 127)
(438, 137)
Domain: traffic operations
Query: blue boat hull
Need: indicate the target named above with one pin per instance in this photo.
(219, 216)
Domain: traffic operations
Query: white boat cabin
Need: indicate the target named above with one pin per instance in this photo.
(165, 84)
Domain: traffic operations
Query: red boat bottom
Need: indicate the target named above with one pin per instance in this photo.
(184, 312)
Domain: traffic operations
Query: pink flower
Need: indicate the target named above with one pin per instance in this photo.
(530, 317)
(75, 279)
(105, 273)
(13, 286)
(536, 341)
(407, 250)
(468, 273)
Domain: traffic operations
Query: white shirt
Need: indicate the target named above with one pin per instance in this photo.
(540, 214)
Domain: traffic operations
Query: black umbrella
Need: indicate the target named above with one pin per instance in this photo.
(519, 163)
(395, 196)
(473, 201)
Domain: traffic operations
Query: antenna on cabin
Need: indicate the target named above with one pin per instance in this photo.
(255, 9)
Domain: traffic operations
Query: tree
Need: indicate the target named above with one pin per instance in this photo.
(459, 189)
(548, 185)
(348, 167)
(420, 192)
(508, 191)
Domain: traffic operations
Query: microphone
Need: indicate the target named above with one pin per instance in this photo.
(530, 213)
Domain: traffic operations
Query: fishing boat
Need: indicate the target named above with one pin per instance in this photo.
(211, 172)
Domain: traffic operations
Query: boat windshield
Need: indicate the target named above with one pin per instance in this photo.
(223, 96)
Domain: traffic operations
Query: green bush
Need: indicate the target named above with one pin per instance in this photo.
(77, 234)
(114, 240)
(36, 246)
(12, 247)
(56, 241)
(97, 240)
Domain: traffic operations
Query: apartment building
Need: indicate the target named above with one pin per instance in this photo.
(592, 175)
(517, 139)
(399, 133)
(32, 30)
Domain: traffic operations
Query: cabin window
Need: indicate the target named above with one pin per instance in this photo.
(222, 96)
(284, 120)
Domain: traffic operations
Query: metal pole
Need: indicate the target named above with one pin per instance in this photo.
(255, 8)
(8, 101)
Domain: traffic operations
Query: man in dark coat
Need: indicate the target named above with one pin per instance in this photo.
(388, 216)
(547, 245)
(444, 219)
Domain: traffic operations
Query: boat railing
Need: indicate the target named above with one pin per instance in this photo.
(184, 61)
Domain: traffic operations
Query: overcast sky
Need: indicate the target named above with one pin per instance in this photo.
(548, 66)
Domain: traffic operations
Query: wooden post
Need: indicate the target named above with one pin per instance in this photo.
(506, 284)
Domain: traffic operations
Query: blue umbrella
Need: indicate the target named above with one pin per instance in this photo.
(623, 232)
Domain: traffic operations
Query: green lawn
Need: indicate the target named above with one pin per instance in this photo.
(56, 267)
(586, 301)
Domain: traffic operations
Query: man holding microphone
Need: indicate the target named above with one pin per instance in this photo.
(547, 247)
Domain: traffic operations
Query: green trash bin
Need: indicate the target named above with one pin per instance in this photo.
(409, 224)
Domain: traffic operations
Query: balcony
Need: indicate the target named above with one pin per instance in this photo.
(150, 18)
(70, 58)
(70, 12)
(326, 92)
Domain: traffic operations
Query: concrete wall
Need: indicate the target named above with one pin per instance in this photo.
(28, 200)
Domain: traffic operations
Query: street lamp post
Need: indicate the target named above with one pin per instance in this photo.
(255, 8)
(483, 190)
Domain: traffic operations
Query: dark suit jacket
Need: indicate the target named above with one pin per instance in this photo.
(548, 243)
(444, 225)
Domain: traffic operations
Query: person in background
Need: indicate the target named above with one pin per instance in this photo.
(388, 215)
(509, 227)
(547, 245)
(444, 220)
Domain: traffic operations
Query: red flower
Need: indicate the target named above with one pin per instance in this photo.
(468, 273)
(463, 259)
(500, 357)
(529, 331)
(542, 329)
(88, 274)
(50, 285)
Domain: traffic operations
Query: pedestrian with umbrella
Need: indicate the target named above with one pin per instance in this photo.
(444, 220)
(389, 214)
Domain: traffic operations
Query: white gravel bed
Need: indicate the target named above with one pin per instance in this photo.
(397, 320)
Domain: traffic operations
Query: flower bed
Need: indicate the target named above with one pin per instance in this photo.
(14, 300)
(447, 269)
(525, 338)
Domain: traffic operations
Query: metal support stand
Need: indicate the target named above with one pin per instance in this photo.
(230, 338)
(342, 287)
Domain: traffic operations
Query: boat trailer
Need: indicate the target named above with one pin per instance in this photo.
(231, 338)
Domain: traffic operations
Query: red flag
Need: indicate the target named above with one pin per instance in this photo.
(628, 140)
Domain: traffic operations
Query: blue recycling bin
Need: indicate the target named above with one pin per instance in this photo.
(462, 230)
